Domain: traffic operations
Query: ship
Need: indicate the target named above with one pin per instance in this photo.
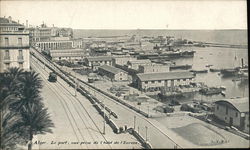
(229, 72)
(185, 67)
(187, 53)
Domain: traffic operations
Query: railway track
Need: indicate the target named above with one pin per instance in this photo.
(65, 101)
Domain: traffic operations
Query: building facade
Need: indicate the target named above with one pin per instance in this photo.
(14, 45)
(55, 45)
(98, 61)
(157, 81)
(68, 54)
(113, 73)
(44, 33)
(134, 64)
(123, 60)
(151, 68)
(234, 112)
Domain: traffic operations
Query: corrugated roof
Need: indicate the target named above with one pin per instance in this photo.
(241, 104)
(165, 76)
(100, 58)
(111, 69)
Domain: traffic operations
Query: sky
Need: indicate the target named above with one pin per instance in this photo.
(128, 14)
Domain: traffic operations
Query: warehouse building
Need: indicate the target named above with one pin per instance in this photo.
(114, 74)
(68, 54)
(153, 67)
(134, 64)
(234, 112)
(157, 81)
(95, 62)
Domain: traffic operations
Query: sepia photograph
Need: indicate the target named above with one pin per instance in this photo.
(123, 74)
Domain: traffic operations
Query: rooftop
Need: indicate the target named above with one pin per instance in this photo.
(140, 61)
(8, 22)
(100, 58)
(165, 76)
(241, 104)
(111, 69)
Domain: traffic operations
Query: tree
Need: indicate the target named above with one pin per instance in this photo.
(9, 94)
(22, 111)
(30, 91)
(35, 120)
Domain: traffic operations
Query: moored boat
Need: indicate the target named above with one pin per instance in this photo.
(199, 71)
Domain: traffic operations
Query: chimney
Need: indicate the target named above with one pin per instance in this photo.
(10, 19)
(17, 21)
(27, 24)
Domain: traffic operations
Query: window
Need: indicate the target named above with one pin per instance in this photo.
(20, 65)
(7, 65)
(226, 110)
(19, 41)
(6, 41)
(152, 81)
(7, 53)
(236, 114)
(159, 81)
(146, 82)
(20, 52)
(184, 79)
(217, 107)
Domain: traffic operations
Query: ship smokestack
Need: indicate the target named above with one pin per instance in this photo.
(242, 62)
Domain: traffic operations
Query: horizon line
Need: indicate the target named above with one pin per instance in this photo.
(145, 29)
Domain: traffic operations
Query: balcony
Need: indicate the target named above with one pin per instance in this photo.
(20, 58)
(6, 59)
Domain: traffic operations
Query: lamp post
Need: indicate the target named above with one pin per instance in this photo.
(148, 110)
(134, 122)
(75, 85)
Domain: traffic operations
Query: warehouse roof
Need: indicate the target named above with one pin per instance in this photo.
(111, 69)
(240, 104)
(140, 61)
(165, 76)
(99, 58)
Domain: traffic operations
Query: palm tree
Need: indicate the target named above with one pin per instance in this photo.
(34, 117)
(35, 120)
(30, 85)
(8, 94)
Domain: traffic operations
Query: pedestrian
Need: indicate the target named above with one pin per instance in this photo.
(125, 127)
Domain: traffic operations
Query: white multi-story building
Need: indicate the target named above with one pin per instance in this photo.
(14, 45)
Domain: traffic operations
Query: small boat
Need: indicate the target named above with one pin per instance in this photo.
(199, 71)
(214, 70)
(223, 93)
(208, 65)
(223, 87)
(236, 79)
(201, 57)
